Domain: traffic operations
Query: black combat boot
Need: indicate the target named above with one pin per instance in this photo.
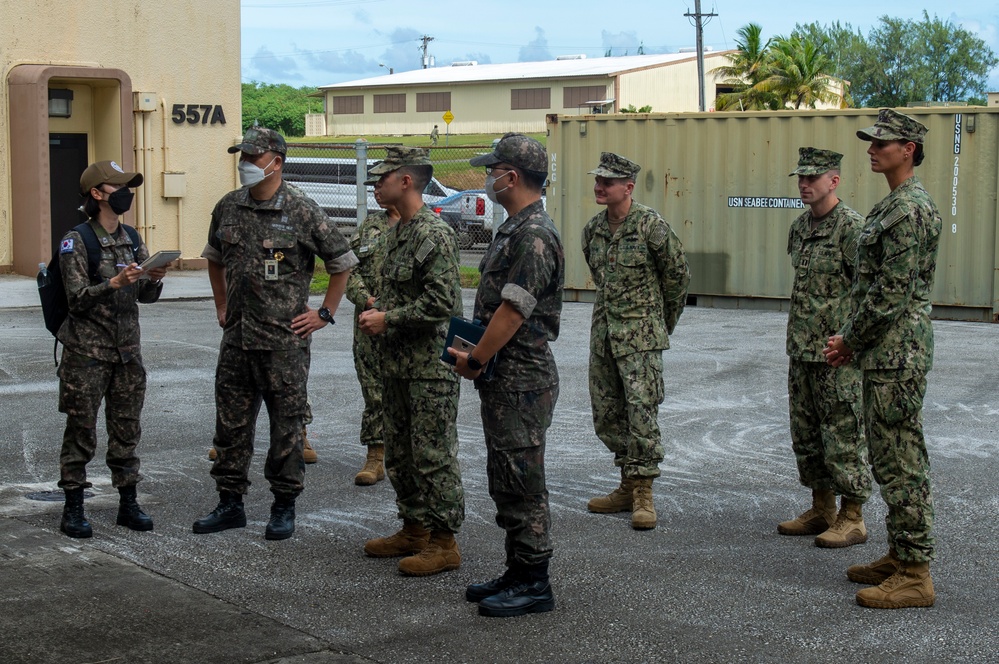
(129, 512)
(533, 595)
(514, 574)
(228, 514)
(282, 523)
(74, 522)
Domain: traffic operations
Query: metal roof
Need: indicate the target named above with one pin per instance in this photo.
(587, 67)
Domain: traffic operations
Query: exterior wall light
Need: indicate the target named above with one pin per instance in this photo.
(60, 103)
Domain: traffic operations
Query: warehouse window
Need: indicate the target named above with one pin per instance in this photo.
(433, 101)
(530, 98)
(390, 103)
(574, 97)
(348, 105)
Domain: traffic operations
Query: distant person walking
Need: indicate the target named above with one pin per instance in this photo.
(434, 135)
(641, 277)
(889, 335)
(825, 404)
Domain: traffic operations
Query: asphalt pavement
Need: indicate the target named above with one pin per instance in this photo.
(713, 583)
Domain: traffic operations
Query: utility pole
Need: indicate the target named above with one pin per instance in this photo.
(427, 60)
(699, 26)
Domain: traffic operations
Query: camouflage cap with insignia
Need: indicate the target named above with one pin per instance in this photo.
(894, 126)
(813, 161)
(399, 156)
(615, 166)
(517, 150)
(259, 140)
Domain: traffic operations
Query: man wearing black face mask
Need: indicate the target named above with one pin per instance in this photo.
(101, 357)
(262, 247)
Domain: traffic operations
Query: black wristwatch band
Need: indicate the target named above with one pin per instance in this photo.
(325, 314)
(473, 363)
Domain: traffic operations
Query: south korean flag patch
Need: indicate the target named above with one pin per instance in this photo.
(67, 246)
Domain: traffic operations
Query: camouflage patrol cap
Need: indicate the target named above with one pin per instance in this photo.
(517, 150)
(399, 156)
(813, 161)
(894, 126)
(259, 140)
(615, 166)
(107, 172)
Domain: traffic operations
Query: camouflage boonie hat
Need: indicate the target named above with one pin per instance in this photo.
(399, 156)
(894, 126)
(813, 161)
(259, 140)
(517, 150)
(615, 166)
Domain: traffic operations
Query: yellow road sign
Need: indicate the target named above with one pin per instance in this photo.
(448, 116)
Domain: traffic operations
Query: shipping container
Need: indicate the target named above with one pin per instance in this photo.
(721, 180)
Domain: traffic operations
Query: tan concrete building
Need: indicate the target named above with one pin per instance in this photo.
(492, 99)
(154, 86)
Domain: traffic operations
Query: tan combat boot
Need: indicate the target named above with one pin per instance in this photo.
(643, 510)
(849, 528)
(816, 519)
(374, 467)
(440, 555)
(618, 500)
(909, 587)
(876, 572)
(308, 454)
(413, 538)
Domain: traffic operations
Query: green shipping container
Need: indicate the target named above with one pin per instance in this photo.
(721, 180)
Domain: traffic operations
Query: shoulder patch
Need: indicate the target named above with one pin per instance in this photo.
(896, 215)
(658, 236)
(424, 250)
(67, 246)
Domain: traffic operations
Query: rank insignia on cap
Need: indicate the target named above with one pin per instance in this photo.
(67, 246)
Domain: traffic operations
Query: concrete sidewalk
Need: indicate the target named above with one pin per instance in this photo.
(17, 291)
(713, 583)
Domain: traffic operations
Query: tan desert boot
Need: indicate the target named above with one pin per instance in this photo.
(440, 555)
(374, 467)
(849, 528)
(816, 519)
(909, 587)
(618, 500)
(413, 538)
(643, 510)
(876, 572)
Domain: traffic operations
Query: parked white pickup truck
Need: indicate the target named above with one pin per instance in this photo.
(479, 216)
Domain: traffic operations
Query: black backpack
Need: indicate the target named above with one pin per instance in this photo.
(55, 306)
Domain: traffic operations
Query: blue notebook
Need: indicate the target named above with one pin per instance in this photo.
(463, 335)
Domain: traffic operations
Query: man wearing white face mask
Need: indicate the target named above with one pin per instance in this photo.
(262, 246)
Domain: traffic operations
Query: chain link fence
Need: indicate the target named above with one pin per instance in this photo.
(333, 176)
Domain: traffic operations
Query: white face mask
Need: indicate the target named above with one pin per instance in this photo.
(251, 174)
(491, 182)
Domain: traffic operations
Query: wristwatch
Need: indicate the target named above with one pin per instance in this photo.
(473, 363)
(325, 314)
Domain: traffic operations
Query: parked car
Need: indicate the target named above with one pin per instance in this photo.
(469, 232)
(332, 183)
(479, 215)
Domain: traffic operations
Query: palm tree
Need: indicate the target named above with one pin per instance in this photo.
(797, 73)
(749, 65)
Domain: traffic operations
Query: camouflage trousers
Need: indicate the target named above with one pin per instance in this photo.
(893, 414)
(83, 383)
(421, 451)
(243, 380)
(514, 424)
(625, 393)
(368, 359)
(827, 435)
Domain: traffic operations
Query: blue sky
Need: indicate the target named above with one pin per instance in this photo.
(320, 42)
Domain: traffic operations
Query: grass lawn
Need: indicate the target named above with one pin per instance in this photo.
(321, 280)
(421, 140)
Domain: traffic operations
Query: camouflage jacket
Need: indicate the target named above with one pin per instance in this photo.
(890, 323)
(421, 290)
(290, 229)
(525, 267)
(103, 323)
(369, 246)
(823, 261)
(641, 278)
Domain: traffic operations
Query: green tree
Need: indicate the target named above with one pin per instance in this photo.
(957, 63)
(797, 73)
(747, 68)
(278, 106)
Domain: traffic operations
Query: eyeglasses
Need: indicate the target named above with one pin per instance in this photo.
(490, 169)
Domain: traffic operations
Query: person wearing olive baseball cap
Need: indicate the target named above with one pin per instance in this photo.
(890, 338)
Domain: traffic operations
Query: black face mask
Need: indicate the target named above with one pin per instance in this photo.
(121, 200)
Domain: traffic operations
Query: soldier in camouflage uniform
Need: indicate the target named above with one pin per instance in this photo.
(641, 278)
(363, 289)
(890, 337)
(101, 357)
(261, 251)
(421, 291)
(520, 301)
(824, 403)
